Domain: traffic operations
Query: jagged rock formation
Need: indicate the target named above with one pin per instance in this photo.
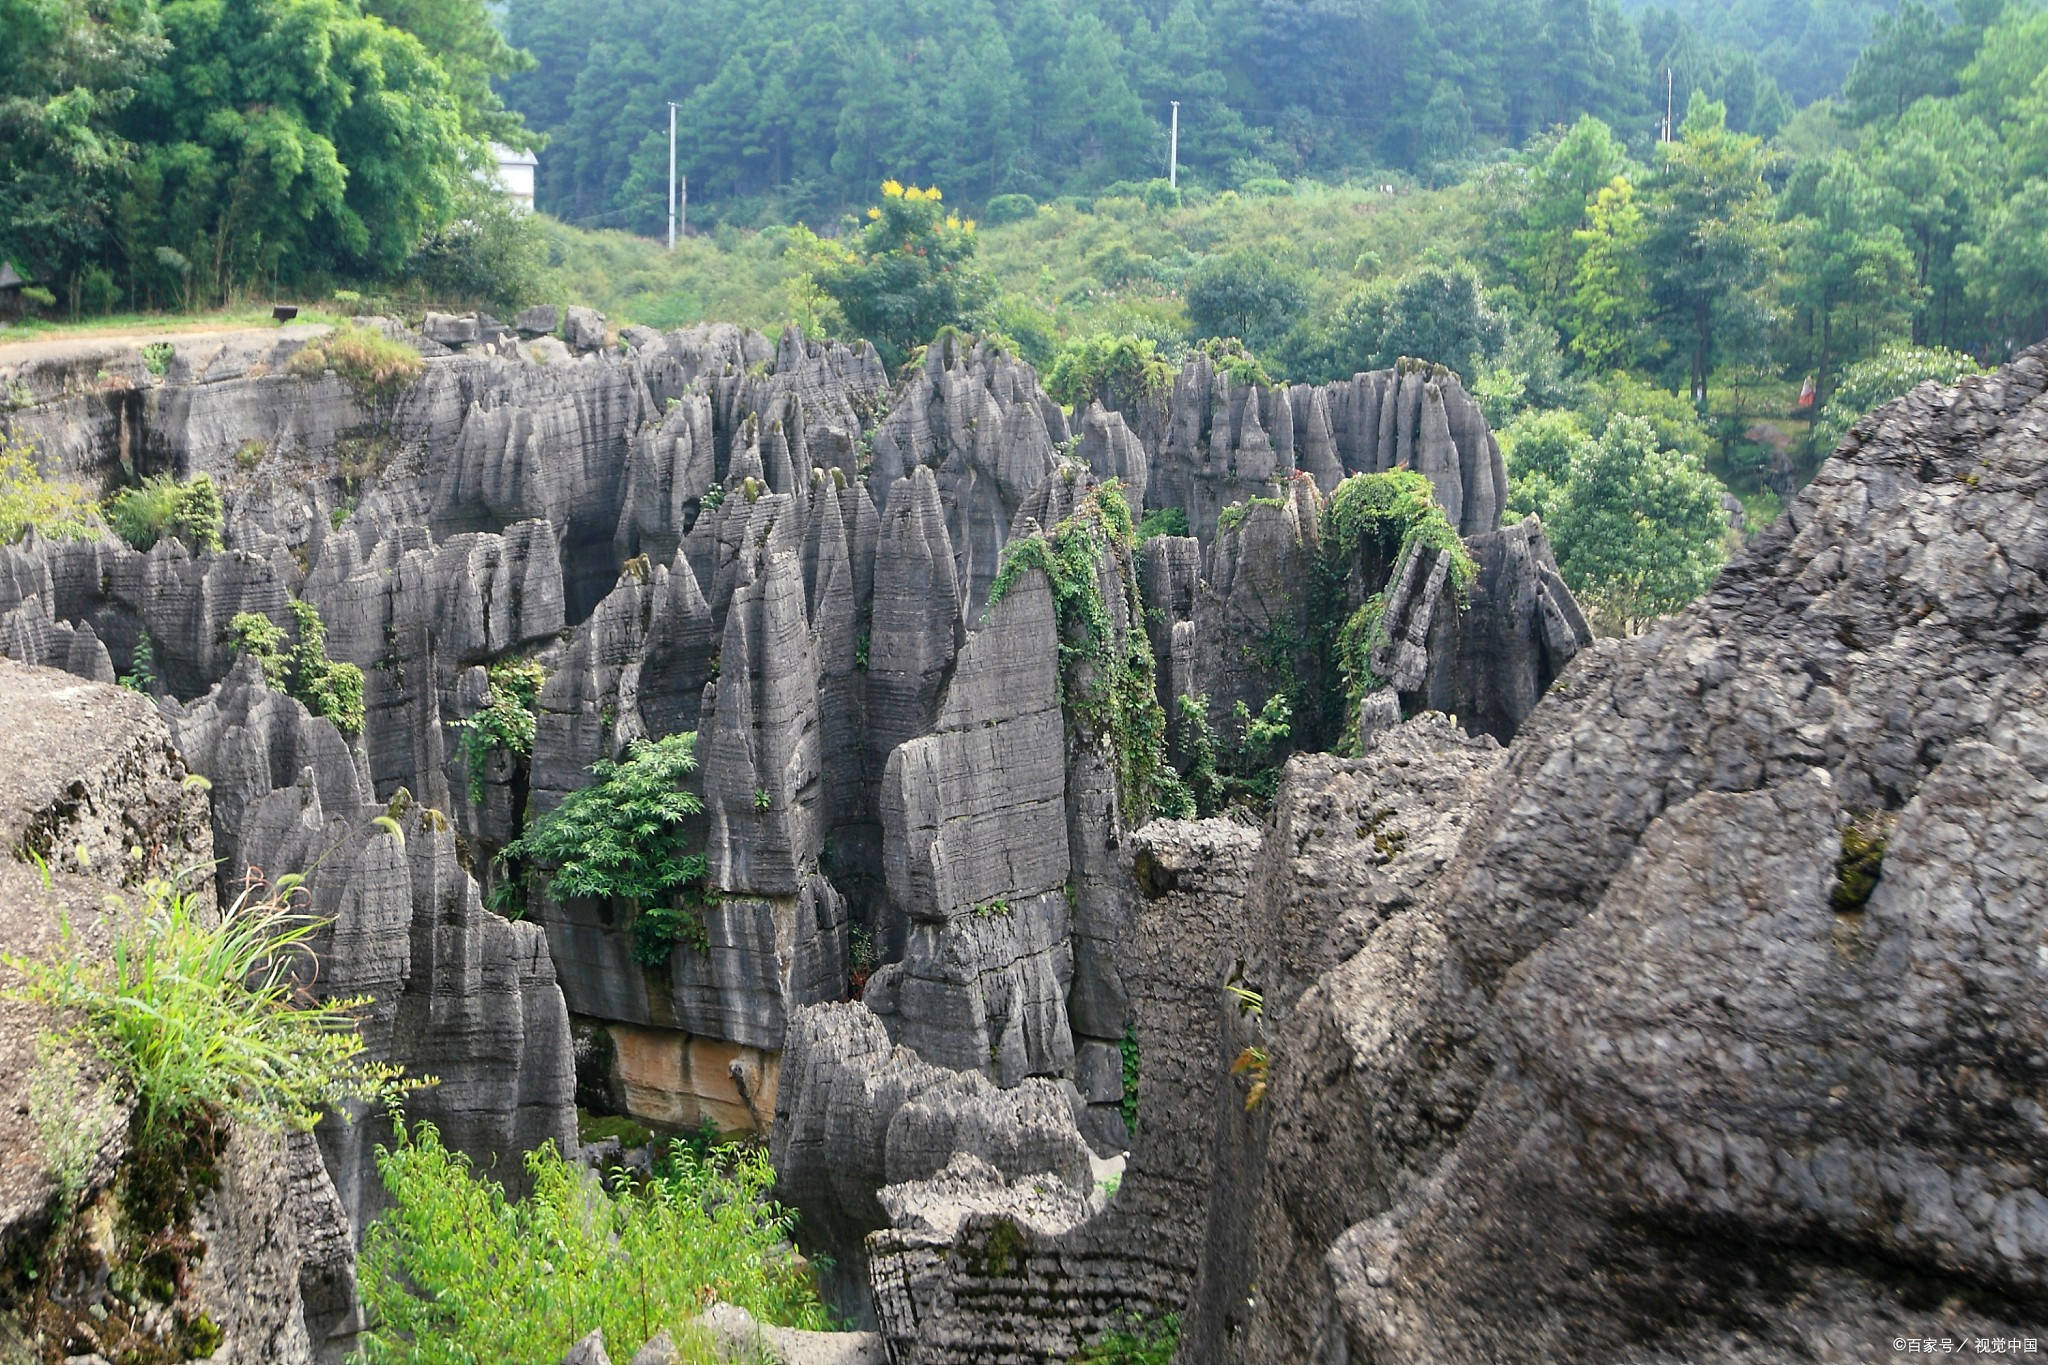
(93, 787)
(764, 544)
(1522, 1109)
(458, 993)
(1216, 440)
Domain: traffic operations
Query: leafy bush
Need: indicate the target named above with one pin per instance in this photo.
(623, 837)
(156, 357)
(1245, 294)
(1009, 208)
(162, 506)
(1105, 684)
(1539, 448)
(1671, 416)
(490, 256)
(1161, 195)
(1892, 373)
(1394, 515)
(1164, 521)
(1115, 370)
(201, 1015)
(375, 368)
(1137, 1343)
(506, 723)
(253, 633)
(55, 508)
(455, 1272)
(1235, 360)
(907, 274)
(1638, 528)
(329, 689)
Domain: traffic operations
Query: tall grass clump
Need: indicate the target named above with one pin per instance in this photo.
(454, 1272)
(202, 1016)
(162, 506)
(375, 368)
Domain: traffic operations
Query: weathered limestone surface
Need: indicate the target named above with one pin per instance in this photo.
(855, 1112)
(1214, 440)
(978, 419)
(1525, 1111)
(753, 539)
(93, 786)
(458, 993)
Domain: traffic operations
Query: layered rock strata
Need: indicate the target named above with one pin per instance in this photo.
(765, 544)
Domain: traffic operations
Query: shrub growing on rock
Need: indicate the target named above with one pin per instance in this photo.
(162, 506)
(329, 689)
(56, 508)
(623, 838)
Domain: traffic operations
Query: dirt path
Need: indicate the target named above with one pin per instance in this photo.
(91, 345)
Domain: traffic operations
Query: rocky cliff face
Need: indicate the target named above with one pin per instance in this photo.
(772, 546)
(1623, 1054)
(91, 784)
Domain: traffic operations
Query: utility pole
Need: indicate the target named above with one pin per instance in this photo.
(671, 175)
(1667, 104)
(1173, 150)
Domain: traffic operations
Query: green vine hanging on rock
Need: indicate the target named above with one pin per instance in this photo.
(507, 722)
(1106, 684)
(1393, 515)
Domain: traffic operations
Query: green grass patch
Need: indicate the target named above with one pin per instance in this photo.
(201, 1015)
(455, 1272)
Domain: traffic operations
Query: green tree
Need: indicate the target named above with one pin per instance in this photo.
(625, 837)
(1849, 282)
(1540, 449)
(1092, 109)
(1909, 57)
(1711, 239)
(1440, 313)
(1939, 166)
(1638, 528)
(908, 273)
(2005, 270)
(71, 67)
(283, 138)
(1245, 294)
(1606, 308)
(1563, 182)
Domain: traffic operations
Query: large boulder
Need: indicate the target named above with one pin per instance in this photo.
(1717, 1034)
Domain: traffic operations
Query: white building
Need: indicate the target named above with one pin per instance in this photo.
(515, 174)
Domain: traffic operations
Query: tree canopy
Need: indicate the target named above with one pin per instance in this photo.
(171, 151)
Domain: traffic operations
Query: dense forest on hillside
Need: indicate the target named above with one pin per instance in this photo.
(1486, 186)
(167, 153)
(794, 108)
